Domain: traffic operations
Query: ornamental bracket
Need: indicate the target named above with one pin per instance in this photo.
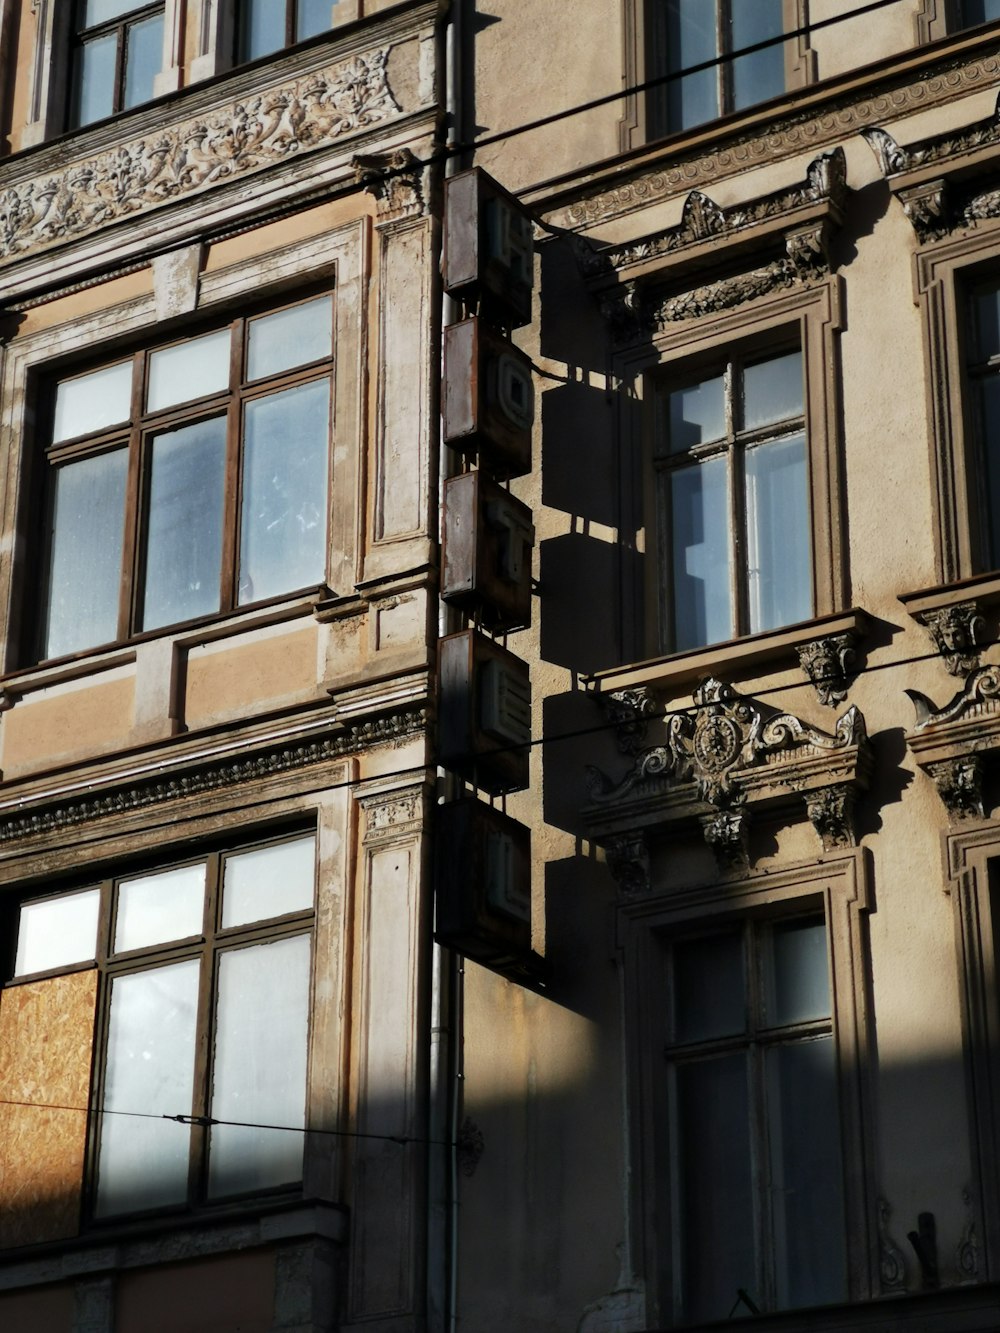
(720, 763)
(954, 744)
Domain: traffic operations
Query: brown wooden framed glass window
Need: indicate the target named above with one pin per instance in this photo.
(117, 54)
(264, 26)
(733, 500)
(199, 1084)
(757, 1188)
(188, 479)
(983, 385)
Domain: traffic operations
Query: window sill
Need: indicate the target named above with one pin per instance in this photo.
(956, 618)
(824, 648)
(143, 1244)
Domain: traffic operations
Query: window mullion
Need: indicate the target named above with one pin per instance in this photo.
(723, 47)
(234, 466)
(121, 39)
(734, 474)
(133, 527)
(198, 1176)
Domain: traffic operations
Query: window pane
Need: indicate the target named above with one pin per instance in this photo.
(85, 569)
(986, 319)
(143, 1163)
(184, 541)
(691, 40)
(268, 881)
(806, 1184)
(990, 404)
(290, 338)
(701, 609)
(796, 987)
(143, 59)
(91, 402)
(101, 11)
(708, 987)
(714, 1167)
(772, 390)
(779, 557)
(189, 370)
(283, 531)
(260, 1066)
(761, 75)
(153, 909)
(262, 28)
(979, 11)
(94, 80)
(56, 932)
(697, 414)
(312, 16)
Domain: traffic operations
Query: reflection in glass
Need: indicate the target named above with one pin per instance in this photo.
(311, 17)
(290, 338)
(86, 553)
(143, 1163)
(143, 59)
(804, 1139)
(986, 312)
(708, 987)
(699, 525)
(772, 390)
(93, 94)
(283, 528)
(91, 402)
(990, 405)
(153, 909)
(189, 370)
(760, 75)
(796, 988)
(268, 881)
(979, 11)
(101, 11)
(714, 1162)
(697, 414)
(184, 541)
(56, 932)
(262, 28)
(691, 40)
(779, 556)
(259, 1072)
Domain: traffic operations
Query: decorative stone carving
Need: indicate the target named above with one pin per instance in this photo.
(727, 833)
(622, 308)
(396, 181)
(828, 663)
(924, 205)
(44, 818)
(939, 148)
(976, 697)
(730, 754)
(891, 1261)
(469, 1146)
(197, 154)
(391, 814)
(854, 112)
(959, 783)
(831, 813)
(628, 861)
(955, 632)
(629, 712)
(967, 1252)
(807, 262)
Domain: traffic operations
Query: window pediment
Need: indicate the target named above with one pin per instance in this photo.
(954, 743)
(750, 249)
(946, 182)
(726, 759)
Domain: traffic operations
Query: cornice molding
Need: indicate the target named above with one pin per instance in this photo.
(779, 137)
(197, 154)
(715, 765)
(45, 814)
(953, 743)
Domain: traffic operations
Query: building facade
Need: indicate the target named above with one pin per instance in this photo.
(722, 1044)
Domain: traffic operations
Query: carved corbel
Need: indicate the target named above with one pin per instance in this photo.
(628, 861)
(624, 310)
(808, 249)
(395, 179)
(925, 206)
(959, 783)
(831, 812)
(829, 662)
(629, 711)
(727, 833)
(955, 631)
